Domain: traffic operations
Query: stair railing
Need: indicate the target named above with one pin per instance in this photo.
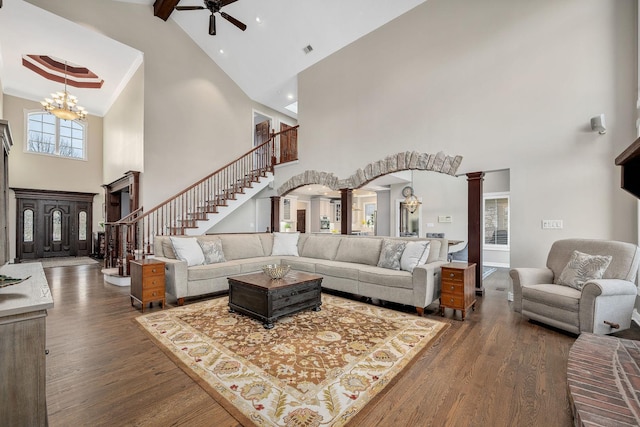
(133, 236)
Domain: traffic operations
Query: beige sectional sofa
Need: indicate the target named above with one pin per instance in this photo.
(347, 264)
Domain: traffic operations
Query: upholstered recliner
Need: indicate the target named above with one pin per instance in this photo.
(602, 306)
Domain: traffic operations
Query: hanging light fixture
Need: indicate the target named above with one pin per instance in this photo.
(411, 202)
(64, 105)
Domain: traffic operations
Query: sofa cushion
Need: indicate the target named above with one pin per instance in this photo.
(391, 253)
(213, 271)
(212, 251)
(285, 244)
(187, 249)
(300, 263)
(167, 248)
(435, 247)
(385, 277)
(251, 265)
(343, 270)
(321, 247)
(239, 246)
(553, 295)
(359, 250)
(414, 254)
(583, 267)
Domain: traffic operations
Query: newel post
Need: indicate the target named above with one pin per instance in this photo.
(474, 232)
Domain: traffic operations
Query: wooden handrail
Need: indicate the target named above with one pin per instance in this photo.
(204, 179)
(133, 235)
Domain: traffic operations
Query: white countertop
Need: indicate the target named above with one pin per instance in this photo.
(31, 295)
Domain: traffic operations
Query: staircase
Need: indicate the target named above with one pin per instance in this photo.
(194, 210)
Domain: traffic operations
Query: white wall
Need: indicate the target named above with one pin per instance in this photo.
(123, 148)
(506, 84)
(35, 171)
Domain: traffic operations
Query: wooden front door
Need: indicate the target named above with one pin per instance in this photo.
(301, 220)
(53, 224)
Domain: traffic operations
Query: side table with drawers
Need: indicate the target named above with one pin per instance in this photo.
(147, 281)
(458, 287)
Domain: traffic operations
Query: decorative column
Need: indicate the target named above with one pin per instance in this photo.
(275, 213)
(474, 233)
(346, 199)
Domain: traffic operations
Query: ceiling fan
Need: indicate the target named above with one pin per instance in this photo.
(215, 6)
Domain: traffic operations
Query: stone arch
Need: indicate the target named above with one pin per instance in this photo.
(406, 160)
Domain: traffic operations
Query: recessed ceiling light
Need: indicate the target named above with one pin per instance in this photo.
(258, 20)
(289, 96)
(221, 51)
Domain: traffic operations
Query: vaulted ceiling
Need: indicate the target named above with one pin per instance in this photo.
(264, 60)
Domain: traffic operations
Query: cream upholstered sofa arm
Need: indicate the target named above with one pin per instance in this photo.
(605, 300)
(175, 273)
(527, 276)
(426, 280)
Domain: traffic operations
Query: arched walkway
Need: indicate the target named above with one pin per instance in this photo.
(408, 160)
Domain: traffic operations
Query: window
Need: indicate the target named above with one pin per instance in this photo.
(82, 226)
(496, 220)
(57, 226)
(47, 134)
(28, 226)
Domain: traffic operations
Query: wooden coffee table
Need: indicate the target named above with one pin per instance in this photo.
(266, 299)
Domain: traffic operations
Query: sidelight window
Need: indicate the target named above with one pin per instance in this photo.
(47, 134)
(27, 217)
(57, 226)
(82, 226)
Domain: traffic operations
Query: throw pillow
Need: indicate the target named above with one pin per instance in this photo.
(583, 267)
(187, 249)
(391, 253)
(285, 243)
(212, 251)
(412, 255)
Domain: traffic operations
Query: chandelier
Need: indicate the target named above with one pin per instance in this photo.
(64, 105)
(411, 202)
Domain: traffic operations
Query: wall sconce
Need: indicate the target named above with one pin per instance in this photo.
(597, 124)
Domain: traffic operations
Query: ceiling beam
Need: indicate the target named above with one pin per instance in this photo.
(163, 8)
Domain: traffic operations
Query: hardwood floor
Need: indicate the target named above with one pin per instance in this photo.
(493, 369)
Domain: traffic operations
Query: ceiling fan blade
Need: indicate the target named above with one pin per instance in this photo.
(212, 25)
(233, 20)
(223, 3)
(189, 7)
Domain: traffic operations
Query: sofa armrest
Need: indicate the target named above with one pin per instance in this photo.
(527, 276)
(606, 299)
(175, 276)
(426, 282)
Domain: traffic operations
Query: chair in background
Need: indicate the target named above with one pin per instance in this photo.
(461, 255)
(598, 305)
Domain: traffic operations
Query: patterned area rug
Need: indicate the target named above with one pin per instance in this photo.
(311, 369)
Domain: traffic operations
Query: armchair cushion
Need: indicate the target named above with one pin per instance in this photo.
(582, 268)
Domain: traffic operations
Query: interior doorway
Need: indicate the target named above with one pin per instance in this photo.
(53, 224)
(408, 224)
(262, 125)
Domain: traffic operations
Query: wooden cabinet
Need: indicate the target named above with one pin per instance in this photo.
(23, 311)
(458, 287)
(147, 281)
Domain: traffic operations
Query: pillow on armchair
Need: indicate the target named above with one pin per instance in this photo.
(583, 267)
